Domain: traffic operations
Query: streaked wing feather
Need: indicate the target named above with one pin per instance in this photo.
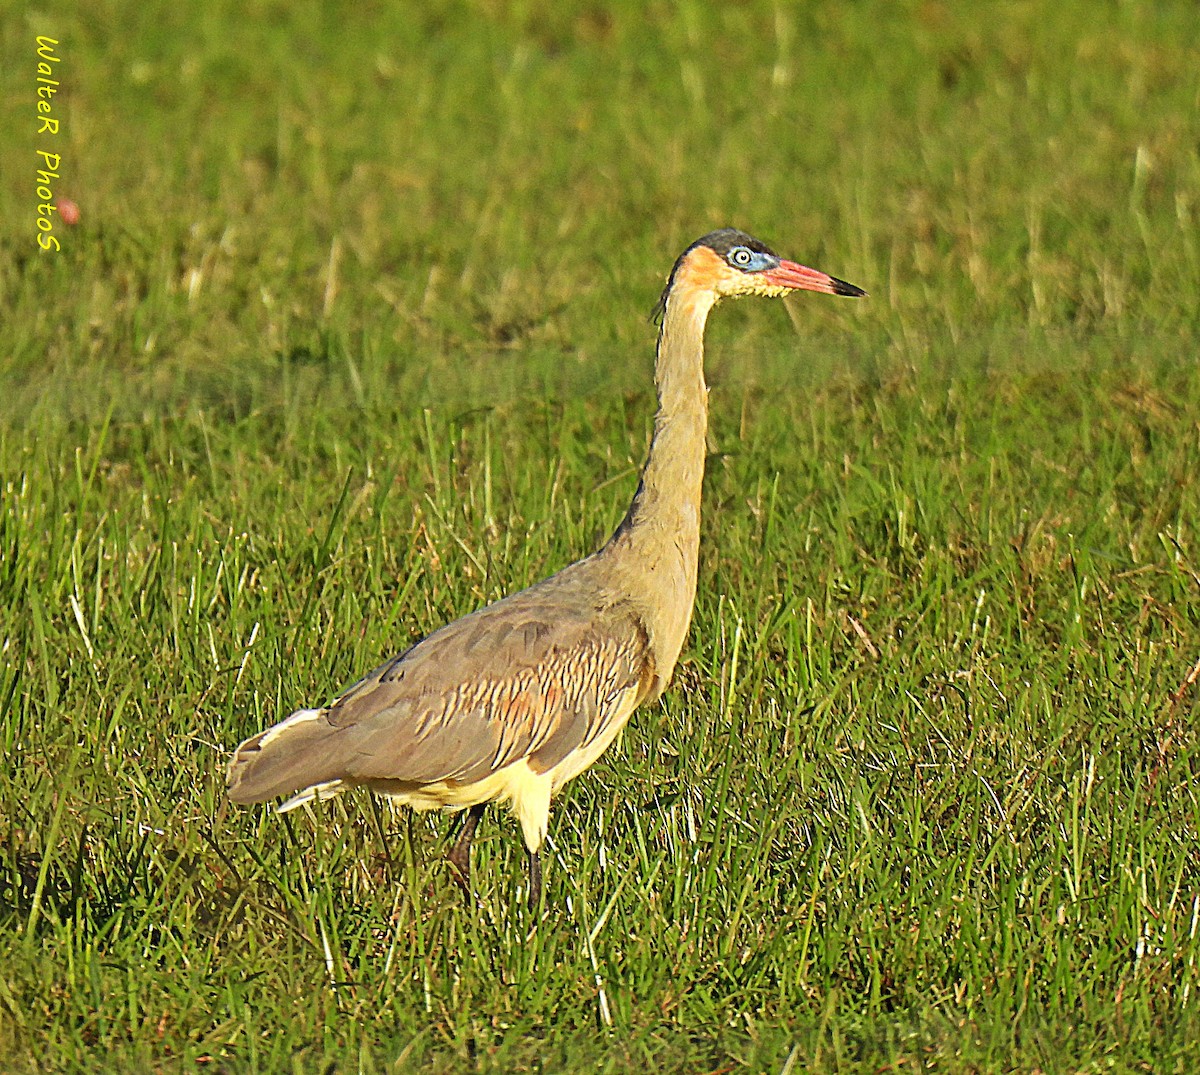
(519, 679)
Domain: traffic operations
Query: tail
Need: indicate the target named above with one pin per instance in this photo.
(292, 756)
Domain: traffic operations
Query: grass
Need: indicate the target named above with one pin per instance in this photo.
(352, 339)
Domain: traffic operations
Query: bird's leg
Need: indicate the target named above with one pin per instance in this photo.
(535, 879)
(459, 856)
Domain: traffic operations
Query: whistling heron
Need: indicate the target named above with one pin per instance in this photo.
(512, 701)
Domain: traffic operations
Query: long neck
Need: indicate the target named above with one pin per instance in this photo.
(659, 541)
(667, 504)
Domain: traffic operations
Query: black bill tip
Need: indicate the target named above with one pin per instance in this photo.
(840, 287)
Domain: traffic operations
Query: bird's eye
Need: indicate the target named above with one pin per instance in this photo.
(740, 256)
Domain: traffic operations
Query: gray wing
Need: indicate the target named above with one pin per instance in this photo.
(511, 681)
(534, 676)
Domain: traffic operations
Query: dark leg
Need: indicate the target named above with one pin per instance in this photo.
(535, 880)
(460, 854)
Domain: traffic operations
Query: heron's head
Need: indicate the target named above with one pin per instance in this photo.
(729, 262)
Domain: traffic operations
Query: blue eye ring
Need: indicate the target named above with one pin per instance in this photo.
(744, 259)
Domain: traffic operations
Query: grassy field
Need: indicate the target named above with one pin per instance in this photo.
(353, 337)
